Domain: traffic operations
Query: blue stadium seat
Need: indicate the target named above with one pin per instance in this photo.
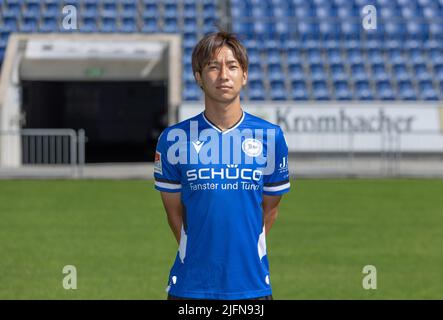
(150, 25)
(350, 29)
(417, 30)
(406, 90)
(29, 24)
(438, 71)
(299, 90)
(10, 23)
(436, 56)
(396, 57)
(427, 91)
(49, 25)
(189, 39)
(150, 10)
(12, 6)
(329, 30)
(192, 93)
(108, 24)
(296, 73)
(359, 73)
(422, 73)
(256, 90)
(190, 25)
(333, 54)
(363, 91)
(317, 73)
(401, 73)
(308, 30)
(170, 25)
(188, 75)
(243, 28)
(109, 5)
(273, 56)
(189, 10)
(294, 56)
(129, 8)
(354, 56)
(170, 10)
(394, 30)
(88, 24)
(51, 7)
(338, 73)
(278, 91)
(379, 72)
(314, 56)
(342, 90)
(255, 72)
(436, 30)
(375, 56)
(320, 90)
(384, 90)
(128, 25)
(416, 56)
(275, 73)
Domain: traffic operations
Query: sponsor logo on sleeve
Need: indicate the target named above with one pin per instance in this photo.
(158, 163)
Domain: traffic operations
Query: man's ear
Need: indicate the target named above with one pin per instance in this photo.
(199, 79)
(245, 78)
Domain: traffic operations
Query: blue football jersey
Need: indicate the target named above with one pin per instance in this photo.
(222, 177)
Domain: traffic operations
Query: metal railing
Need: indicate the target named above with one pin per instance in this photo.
(51, 147)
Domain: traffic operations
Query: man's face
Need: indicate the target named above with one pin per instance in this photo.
(222, 78)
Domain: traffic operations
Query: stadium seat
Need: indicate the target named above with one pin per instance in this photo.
(275, 73)
(128, 25)
(401, 73)
(150, 25)
(320, 90)
(88, 24)
(295, 72)
(363, 90)
(338, 73)
(299, 90)
(342, 91)
(384, 90)
(406, 90)
(278, 91)
(255, 72)
(256, 90)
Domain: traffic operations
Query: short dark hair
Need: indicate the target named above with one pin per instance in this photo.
(211, 43)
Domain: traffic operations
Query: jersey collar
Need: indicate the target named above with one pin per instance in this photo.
(227, 130)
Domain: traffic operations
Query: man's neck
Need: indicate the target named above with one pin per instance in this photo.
(224, 116)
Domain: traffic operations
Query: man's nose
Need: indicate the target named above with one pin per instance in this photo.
(223, 72)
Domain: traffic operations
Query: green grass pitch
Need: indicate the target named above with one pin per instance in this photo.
(116, 235)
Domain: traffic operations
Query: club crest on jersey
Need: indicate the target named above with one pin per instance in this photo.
(252, 147)
(158, 163)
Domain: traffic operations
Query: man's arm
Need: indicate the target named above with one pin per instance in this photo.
(270, 210)
(174, 210)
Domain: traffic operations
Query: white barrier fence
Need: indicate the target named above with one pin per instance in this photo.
(43, 147)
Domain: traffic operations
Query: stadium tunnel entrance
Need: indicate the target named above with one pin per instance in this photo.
(123, 90)
(122, 119)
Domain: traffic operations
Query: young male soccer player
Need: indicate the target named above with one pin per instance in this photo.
(221, 175)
